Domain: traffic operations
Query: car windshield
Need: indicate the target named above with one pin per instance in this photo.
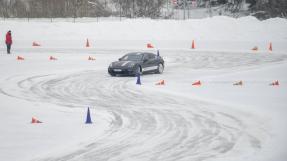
(132, 57)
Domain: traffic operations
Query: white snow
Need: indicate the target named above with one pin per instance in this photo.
(215, 122)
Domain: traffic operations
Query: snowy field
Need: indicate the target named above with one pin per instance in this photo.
(216, 121)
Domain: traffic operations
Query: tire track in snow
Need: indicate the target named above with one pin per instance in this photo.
(221, 60)
(145, 125)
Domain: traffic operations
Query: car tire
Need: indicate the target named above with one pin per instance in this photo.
(112, 74)
(160, 68)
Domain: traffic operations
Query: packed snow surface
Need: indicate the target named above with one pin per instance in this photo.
(216, 121)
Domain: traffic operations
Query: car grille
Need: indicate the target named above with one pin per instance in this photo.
(121, 71)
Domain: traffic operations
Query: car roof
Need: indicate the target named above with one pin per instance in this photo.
(138, 53)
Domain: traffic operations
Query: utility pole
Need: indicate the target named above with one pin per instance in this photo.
(120, 10)
(167, 9)
(188, 8)
(184, 8)
(210, 9)
(133, 14)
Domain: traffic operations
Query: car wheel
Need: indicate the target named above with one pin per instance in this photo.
(160, 68)
(112, 74)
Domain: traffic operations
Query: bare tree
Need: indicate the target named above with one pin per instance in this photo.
(131, 8)
(140, 8)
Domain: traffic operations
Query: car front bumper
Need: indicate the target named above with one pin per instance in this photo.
(117, 71)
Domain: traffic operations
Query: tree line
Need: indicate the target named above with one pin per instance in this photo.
(130, 8)
(80, 8)
(52, 8)
(268, 8)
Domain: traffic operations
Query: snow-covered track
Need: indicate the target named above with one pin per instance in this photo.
(145, 125)
(149, 124)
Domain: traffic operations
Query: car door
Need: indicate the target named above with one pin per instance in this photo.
(150, 62)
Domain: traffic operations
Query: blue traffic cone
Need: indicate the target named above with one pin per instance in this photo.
(88, 119)
(138, 79)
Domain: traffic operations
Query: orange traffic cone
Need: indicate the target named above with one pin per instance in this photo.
(149, 45)
(275, 83)
(87, 43)
(35, 121)
(161, 82)
(198, 83)
(52, 58)
(91, 58)
(20, 58)
(35, 44)
(240, 83)
(193, 45)
(270, 47)
(255, 48)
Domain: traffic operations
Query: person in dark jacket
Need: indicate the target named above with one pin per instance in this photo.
(8, 41)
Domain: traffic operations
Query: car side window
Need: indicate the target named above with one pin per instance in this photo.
(145, 57)
(151, 56)
(124, 58)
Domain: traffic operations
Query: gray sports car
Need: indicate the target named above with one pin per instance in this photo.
(137, 63)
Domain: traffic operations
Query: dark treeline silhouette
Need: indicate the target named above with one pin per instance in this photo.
(132, 8)
(80, 8)
(264, 9)
(51, 8)
(140, 8)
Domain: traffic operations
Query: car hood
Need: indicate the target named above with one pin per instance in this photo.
(120, 64)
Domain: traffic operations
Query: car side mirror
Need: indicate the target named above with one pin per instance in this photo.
(120, 59)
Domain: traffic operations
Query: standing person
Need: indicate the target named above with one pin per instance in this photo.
(8, 41)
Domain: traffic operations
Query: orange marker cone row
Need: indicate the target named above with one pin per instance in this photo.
(275, 83)
(20, 58)
(198, 83)
(255, 48)
(161, 82)
(35, 44)
(270, 47)
(87, 43)
(240, 83)
(35, 121)
(91, 58)
(149, 45)
(52, 58)
(193, 45)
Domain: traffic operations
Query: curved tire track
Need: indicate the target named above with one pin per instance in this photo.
(145, 125)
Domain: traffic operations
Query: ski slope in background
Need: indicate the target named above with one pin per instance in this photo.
(215, 122)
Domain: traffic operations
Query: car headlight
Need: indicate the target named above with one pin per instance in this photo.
(111, 65)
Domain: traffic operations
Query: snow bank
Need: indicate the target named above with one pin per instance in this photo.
(216, 33)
